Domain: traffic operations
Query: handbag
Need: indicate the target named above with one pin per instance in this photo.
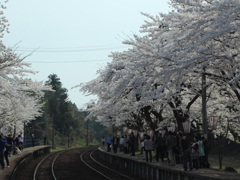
(195, 155)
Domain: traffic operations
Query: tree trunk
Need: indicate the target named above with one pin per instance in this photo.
(220, 152)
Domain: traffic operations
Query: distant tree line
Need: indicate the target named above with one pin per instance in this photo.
(62, 121)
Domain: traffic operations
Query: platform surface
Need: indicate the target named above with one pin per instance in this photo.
(13, 160)
(203, 172)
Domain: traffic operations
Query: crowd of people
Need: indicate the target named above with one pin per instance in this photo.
(173, 148)
(177, 149)
(126, 144)
(10, 146)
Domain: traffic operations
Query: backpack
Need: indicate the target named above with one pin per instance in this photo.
(174, 149)
(207, 146)
(206, 165)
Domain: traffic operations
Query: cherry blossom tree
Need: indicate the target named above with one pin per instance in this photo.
(20, 98)
(160, 77)
(196, 37)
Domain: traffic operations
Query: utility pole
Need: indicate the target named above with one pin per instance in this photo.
(204, 104)
(53, 131)
(87, 133)
(68, 140)
(24, 131)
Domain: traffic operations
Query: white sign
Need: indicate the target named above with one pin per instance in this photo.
(213, 122)
(186, 126)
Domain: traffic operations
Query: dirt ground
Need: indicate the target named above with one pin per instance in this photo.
(226, 162)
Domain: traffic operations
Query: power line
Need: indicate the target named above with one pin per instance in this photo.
(66, 49)
(111, 45)
(66, 61)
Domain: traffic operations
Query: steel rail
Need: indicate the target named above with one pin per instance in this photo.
(36, 169)
(108, 167)
(81, 157)
(54, 162)
(16, 167)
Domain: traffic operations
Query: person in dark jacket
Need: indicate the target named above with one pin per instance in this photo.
(178, 148)
(2, 147)
(10, 144)
(160, 144)
(186, 151)
(132, 144)
(16, 141)
(206, 148)
(170, 143)
(6, 152)
(115, 143)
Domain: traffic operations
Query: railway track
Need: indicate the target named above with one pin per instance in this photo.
(79, 163)
(101, 169)
(44, 169)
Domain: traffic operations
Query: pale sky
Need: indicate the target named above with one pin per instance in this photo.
(74, 38)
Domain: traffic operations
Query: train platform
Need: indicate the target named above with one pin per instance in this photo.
(203, 173)
(16, 159)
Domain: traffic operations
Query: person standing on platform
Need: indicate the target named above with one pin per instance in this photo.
(10, 144)
(103, 141)
(159, 144)
(45, 140)
(6, 152)
(109, 142)
(143, 148)
(170, 143)
(115, 143)
(195, 153)
(132, 144)
(2, 147)
(125, 144)
(186, 151)
(148, 148)
(20, 140)
(16, 142)
(33, 140)
(206, 149)
(201, 152)
(121, 143)
(178, 148)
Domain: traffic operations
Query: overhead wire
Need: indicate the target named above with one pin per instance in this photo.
(68, 49)
(111, 45)
(66, 61)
